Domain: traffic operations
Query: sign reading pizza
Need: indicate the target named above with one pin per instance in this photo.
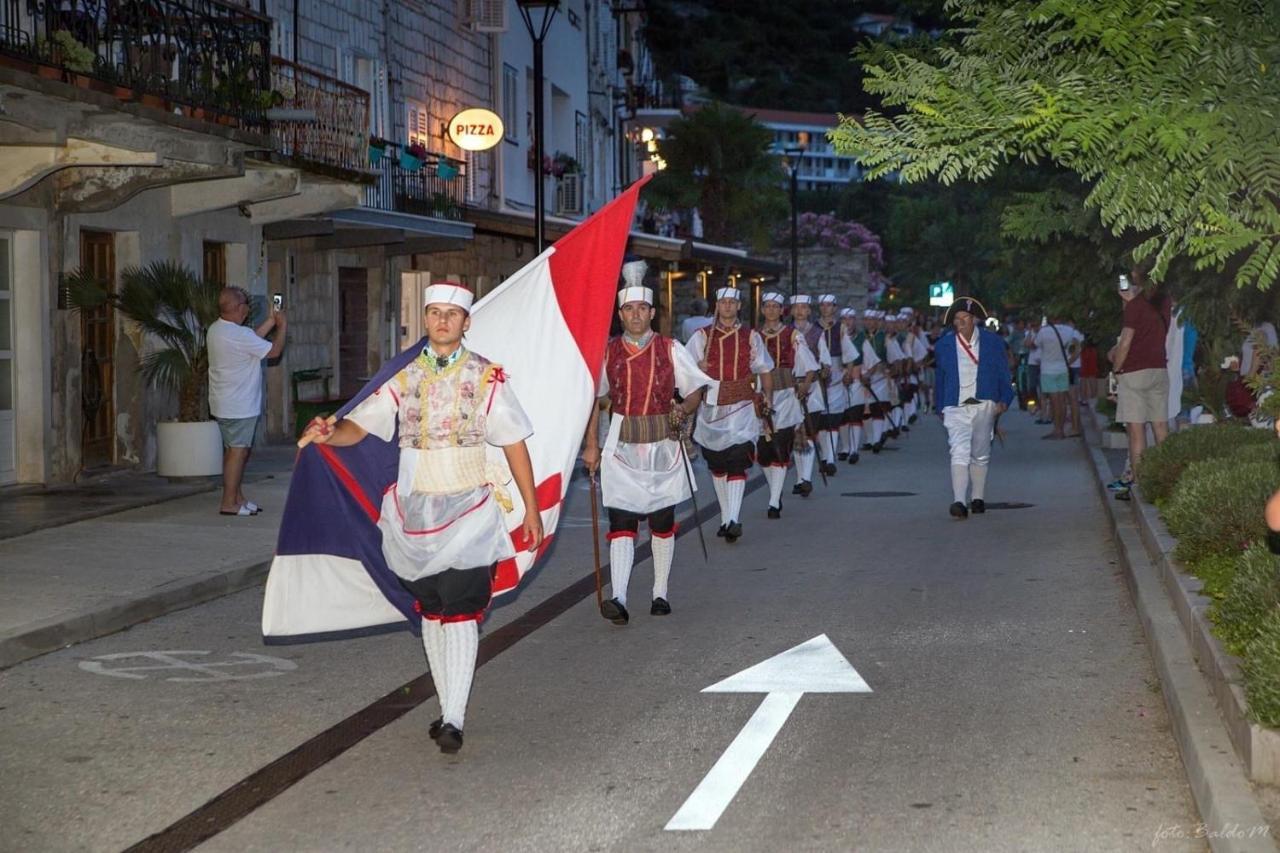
(475, 129)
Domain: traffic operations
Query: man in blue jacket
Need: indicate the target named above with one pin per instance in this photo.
(974, 388)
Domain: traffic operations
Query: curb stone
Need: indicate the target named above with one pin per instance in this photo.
(1232, 820)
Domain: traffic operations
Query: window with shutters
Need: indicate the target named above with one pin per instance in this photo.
(282, 38)
(581, 144)
(510, 103)
(369, 74)
(215, 262)
(417, 123)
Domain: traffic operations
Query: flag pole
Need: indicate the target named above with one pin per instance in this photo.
(595, 538)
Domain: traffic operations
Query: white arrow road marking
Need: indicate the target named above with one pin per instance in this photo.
(815, 666)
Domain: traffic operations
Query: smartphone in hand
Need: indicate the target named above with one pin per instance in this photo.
(277, 300)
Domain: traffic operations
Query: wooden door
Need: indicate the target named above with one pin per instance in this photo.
(353, 330)
(97, 352)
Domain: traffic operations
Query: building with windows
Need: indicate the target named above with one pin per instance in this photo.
(821, 167)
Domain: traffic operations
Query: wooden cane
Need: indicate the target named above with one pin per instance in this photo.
(307, 438)
(595, 540)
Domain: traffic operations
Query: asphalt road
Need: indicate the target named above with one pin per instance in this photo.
(1012, 703)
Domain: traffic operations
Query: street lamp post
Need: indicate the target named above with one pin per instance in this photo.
(538, 32)
(794, 157)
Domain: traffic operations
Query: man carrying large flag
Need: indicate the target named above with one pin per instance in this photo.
(381, 533)
(644, 472)
(442, 523)
(729, 419)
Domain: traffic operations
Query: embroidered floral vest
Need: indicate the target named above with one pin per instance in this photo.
(446, 409)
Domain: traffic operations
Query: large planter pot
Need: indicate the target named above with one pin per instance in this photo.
(188, 449)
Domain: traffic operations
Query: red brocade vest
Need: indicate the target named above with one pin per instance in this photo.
(640, 383)
(728, 358)
(781, 346)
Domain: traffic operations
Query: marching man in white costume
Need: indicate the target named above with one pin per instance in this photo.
(644, 472)
(442, 522)
(729, 419)
(837, 395)
(974, 388)
(794, 369)
(806, 452)
(875, 379)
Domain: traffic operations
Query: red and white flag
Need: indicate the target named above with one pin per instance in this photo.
(547, 325)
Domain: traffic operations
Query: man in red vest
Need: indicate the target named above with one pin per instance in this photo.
(794, 370)
(643, 471)
(729, 418)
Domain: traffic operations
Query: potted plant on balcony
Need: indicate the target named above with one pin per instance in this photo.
(446, 169)
(377, 147)
(174, 309)
(565, 164)
(412, 157)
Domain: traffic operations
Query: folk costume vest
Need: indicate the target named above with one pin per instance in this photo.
(641, 388)
(443, 413)
(835, 339)
(729, 361)
(812, 336)
(781, 346)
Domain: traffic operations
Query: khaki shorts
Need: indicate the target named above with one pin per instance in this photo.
(1143, 396)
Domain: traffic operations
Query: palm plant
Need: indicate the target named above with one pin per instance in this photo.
(172, 305)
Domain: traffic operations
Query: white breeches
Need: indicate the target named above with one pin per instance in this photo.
(969, 432)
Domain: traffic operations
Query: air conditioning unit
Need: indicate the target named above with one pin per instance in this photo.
(569, 201)
(484, 16)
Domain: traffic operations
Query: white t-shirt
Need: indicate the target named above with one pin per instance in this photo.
(693, 324)
(1053, 359)
(235, 370)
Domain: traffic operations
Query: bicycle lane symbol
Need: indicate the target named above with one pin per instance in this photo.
(201, 670)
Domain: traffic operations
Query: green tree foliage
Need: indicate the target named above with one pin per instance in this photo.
(1168, 108)
(718, 160)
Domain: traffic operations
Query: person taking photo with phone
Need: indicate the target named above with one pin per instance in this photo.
(235, 387)
(1140, 365)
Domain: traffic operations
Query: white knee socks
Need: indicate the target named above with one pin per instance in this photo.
(734, 490)
(721, 497)
(461, 642)
(775, 476)
(978, 476)
(433, 644)
(844, 439)
(960, 483)
(855, 432)
(804, 465)
(664, 549)
(826, 445)
(877, 430)
(622, 553)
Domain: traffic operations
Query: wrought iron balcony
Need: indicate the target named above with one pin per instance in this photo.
(437, 188)
(330, 121)
(202, 54)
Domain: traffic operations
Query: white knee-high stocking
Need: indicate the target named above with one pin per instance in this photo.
(804, 465)
(734, 490)
(960, 483)
(461, 642)
(978, 476)
(433, 644)
(775, 476)
(664, 549)
(622, 554)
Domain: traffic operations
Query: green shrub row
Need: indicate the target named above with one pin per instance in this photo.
(1160, 467)
(1252, 593)
(1217, 506)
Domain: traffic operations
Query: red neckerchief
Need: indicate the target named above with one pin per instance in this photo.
(967, 349)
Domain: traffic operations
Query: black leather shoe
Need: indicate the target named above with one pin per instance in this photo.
(906, 429)
(795, 490)
(434, 729)
(775, 512)
(733, 531)
(913, 419)
(893, 433)
(879, 445)
(720, 532)
(959, 510)
(450, 739)
(615, 612)
(660, 607)
(853, 459)
(804, 489)
(842, 456)
(1123, 496)
(866, 445)
(977, 506)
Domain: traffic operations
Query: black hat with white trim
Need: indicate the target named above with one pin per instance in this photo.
(967, 304)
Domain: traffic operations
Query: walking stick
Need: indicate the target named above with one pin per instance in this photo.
(595, 538)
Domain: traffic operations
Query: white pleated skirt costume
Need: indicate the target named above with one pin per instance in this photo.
(646, 477)
(787, 411)
(721, 427)
(444, 510)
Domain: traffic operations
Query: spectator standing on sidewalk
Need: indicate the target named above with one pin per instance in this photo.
(235, 387)
(1033, 374)
(1140, 365)
(699, 319)
(1057, 343)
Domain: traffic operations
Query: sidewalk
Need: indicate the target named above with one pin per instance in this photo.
(82, 561)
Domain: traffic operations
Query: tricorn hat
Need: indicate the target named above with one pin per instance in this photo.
(967, 304)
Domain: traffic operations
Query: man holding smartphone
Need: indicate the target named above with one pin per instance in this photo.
(235, 387)
(1140, 365)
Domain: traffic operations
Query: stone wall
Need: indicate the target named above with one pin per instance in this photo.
(821, 270)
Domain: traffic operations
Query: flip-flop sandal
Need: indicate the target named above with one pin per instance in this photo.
(253, 507)
(243, 511)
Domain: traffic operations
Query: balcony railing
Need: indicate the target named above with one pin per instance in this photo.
(331, 120)
(437, 188)
(204, 54)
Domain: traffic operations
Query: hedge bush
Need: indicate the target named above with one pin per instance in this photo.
(1217, 572)
(1160, 467)
(1252, 593)
(1217, 505)
(1261, 670)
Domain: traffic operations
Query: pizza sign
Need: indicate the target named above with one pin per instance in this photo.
(475, 129)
